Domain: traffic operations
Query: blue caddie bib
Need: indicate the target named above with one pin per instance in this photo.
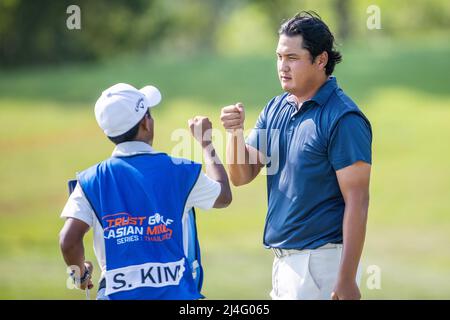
(152, 251)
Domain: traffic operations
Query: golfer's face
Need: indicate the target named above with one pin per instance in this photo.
(294, 64)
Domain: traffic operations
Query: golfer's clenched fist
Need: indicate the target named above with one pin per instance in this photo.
(233, 116)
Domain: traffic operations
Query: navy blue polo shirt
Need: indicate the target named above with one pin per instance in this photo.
(305, 148)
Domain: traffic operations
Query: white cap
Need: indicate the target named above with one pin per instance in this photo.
(122, 106)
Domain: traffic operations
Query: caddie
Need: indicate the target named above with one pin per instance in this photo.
(137, 203)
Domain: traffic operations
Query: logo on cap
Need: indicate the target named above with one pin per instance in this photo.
(139, 104)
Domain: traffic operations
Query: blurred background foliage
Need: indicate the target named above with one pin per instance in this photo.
(203, 55)
(113, 27)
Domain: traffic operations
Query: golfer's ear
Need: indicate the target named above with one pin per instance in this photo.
(322, 59)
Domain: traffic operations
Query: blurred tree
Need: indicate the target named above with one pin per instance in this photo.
(279, 10)
(343, 21)
(35, 32)
(246, 30)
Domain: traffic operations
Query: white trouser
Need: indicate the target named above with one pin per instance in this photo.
(306, 274)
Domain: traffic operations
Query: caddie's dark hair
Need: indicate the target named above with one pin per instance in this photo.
(316, 35)
(131, 134)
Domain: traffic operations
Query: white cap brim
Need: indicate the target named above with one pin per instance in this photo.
(152, 94)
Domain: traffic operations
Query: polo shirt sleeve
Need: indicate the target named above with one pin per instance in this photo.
(351, 141)
(256, 137)
(78, 207)
(204, 193)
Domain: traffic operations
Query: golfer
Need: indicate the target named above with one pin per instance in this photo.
(317, 146)
(137, 203)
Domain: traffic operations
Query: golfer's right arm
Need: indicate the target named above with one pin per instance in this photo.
(244, 162)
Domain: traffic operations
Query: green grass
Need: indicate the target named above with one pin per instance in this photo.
(48, 132)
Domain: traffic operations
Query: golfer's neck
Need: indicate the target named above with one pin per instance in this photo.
(311, 91)
(139, 139)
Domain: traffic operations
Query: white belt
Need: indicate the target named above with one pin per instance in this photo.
(280, 253)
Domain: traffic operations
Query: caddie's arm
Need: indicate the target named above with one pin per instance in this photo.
(72, 248)
(201, 129)
(354, 184)
(244, 162)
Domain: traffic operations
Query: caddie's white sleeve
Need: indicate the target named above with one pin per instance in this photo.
(204, 193)
(78, 207)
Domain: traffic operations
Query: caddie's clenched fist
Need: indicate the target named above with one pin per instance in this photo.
(201, 129)
(233, 116)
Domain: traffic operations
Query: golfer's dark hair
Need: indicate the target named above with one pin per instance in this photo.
(316, 35)
(130, 135)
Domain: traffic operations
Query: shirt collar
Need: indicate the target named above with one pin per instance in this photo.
(131, 148)
(292, 99)
(321, 96)
(324, 92)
